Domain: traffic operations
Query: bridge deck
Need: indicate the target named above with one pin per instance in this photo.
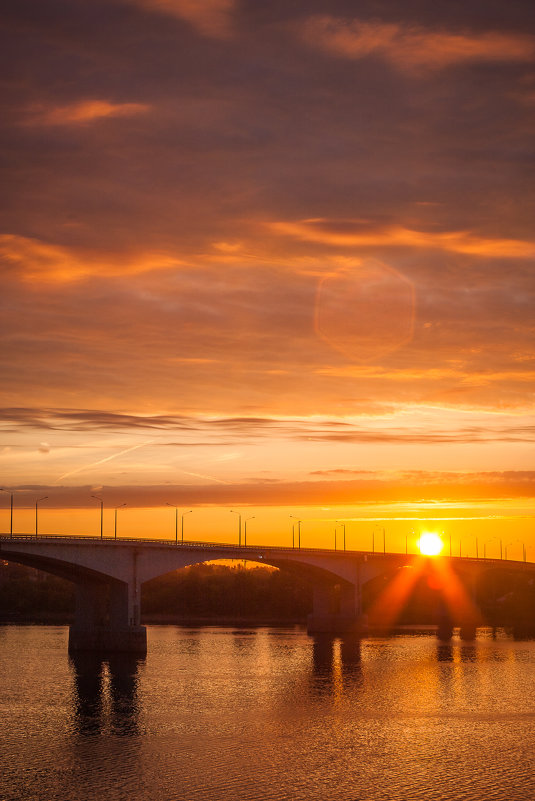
(251, 549)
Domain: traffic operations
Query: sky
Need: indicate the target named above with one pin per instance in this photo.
(270, 257)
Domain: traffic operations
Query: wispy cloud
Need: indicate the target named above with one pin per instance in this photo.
(413, 47)
(322, 232)
(378, 430)
(212, 18)
(82, 112)
(33, 259)
(435, 489)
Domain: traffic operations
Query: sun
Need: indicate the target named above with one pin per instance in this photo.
(430, 544)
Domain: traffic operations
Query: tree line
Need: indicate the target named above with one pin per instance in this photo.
(218, 592)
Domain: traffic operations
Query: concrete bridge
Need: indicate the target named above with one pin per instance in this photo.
(108, 574)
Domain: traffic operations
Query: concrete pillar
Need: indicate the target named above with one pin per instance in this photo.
(134, 595)
(322, 599)
(350, 600)
(107, 618)
(118, 605)
(90, 605)
(336, 610)
(444, 622)
(469, 614)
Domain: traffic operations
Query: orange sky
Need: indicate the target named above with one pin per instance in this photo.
(275, 256)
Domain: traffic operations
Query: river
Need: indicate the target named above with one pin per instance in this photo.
(267, 713)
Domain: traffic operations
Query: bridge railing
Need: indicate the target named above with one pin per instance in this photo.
(251, 549)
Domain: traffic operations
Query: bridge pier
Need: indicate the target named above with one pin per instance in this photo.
(107, 619)
(336, 610)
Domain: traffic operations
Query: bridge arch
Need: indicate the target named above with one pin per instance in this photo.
(115, 569)
(299, 567)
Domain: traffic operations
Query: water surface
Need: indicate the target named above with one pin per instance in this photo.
(267, 713)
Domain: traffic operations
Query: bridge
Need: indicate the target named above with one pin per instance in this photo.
(108, 574)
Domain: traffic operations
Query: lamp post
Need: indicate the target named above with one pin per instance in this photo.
(381, 528)
(44, 498)
(476, 540)
(298, 530)
(115, 526)
(340, 523)
(182, 523)
(99, 499)
(245, 529)
(239, 525)
(293, 534)
(176, 519)
(11, 510)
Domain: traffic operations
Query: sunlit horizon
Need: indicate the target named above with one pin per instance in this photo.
(320, 528)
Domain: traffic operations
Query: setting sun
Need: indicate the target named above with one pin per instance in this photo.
(430, 544)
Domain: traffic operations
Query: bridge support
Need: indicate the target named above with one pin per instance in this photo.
(107, 618)
(336, 610)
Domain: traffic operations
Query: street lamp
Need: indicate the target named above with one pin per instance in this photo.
(245, 529)
(176, 519)
(182, 523)
(99, 499)
(11, 511)
(44, 498)
(298, 530)
(293, 534)
(340, 523)
(381, 528)
(239, 525)
(115, 527)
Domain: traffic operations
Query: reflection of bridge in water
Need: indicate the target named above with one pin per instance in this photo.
(108, 575)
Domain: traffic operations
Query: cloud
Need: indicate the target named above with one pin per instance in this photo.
(90, 420)
(212, 18)
(35, 260)
(326, 233)
(139, 273)
(413, 47)
(258, 339)
(378, 488)
(84, 111)
(376, 431)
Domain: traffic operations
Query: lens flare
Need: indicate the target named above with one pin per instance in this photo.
(430, 544)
